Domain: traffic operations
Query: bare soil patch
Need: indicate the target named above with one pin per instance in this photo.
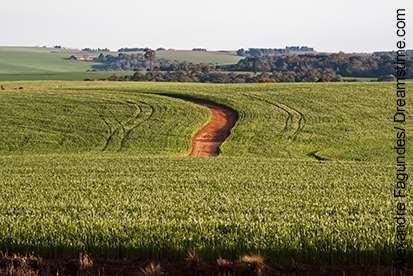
(207, 141)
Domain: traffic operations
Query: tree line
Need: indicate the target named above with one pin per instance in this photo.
(96, 50)
(269, 68)
(261, 52)
(209, 73)
(375, 65)
(125, 50)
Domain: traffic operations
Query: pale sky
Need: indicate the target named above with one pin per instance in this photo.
(327, 25)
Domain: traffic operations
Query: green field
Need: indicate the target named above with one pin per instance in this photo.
(37, 63)
(199, 57)
(363, 79)
(90, 75)
(19, 62)
(102, 167)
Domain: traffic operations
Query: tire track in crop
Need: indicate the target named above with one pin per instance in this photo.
(315, 155)
(126, 136)
(111, 133)
(124, 128)
(112, 130)
(301, 123)
(289, 121)
(289, 115)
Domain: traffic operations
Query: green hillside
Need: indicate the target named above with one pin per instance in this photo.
(18, 61)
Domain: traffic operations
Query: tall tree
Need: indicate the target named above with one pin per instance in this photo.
(150, 57)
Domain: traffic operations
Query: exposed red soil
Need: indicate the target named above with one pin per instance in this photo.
(207, 140)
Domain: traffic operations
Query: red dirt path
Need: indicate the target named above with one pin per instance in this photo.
(207, 140)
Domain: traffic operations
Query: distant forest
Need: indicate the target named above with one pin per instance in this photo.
(374, 65)
(261, 52)
(259, 65)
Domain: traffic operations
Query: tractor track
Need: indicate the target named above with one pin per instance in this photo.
(124, 128)
(126, 135)
(291, 113)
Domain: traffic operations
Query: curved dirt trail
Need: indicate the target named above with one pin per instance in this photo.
(207, 140)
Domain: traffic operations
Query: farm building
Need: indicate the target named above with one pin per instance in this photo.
(81, 57)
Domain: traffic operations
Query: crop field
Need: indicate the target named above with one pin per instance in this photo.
(102, 167)
(199, 57)
(29, 62)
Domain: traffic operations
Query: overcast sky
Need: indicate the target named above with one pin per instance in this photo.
(327, 25)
